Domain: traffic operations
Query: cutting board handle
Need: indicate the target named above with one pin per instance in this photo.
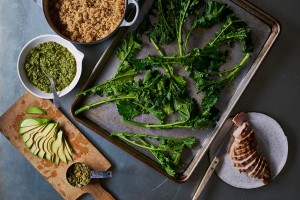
(98, 192)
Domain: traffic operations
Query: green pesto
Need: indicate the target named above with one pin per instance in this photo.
(56, 60)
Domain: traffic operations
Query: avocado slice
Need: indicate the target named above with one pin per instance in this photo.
(36, 110)
(34, 149)
(26, 136)
(68, 147)
(68, 155)
(61, 153)
(56, 159)
(23, 130)
(49, 155)
(38, 138)
(44, 136)
(30, 141)
(34, 121)
(57, 147)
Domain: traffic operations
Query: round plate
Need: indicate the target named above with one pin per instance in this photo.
(272, 143)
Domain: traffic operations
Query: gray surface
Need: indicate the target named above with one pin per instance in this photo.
(273, 91)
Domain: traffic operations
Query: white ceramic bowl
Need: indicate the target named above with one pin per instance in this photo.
(39, 40)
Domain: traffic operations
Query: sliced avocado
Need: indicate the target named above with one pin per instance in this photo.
(56, 159)
(40, 153)
(30, 141)
(47, 133)
(26, 136)
(68, 155)
(23, 130)
(61, 154)
(49, 155)
(57, 144)
(34, 149)
(36, 110)
(34, 121)
(68, 147)
(44, 132)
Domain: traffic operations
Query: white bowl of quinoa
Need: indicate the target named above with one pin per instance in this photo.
(87, 21)
(54, 55)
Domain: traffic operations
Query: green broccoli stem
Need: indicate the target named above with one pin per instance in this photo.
(89, 106)
(167, 68)
(156, 47)
(178, 124)
(187, 39)
(180, 27)
(125, 136)
(233, 71)
(212, 43)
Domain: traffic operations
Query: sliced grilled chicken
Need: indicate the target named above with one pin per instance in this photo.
(245, 167)
(244, 153)
(256, 167)
(235, 156)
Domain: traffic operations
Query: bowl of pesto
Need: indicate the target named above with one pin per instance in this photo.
(55, 56)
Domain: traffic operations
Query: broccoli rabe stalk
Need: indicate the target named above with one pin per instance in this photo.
(92, 105)
(216, 79)
(214, 13)
(167, 152)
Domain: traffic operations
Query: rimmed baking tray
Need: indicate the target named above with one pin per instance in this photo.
(105, 119)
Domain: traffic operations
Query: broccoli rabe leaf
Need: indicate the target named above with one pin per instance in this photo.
(166, 150)
(163, 31)
(127, 49)
(111, 84)
(214, 13)
(233, 30)
(216, 80)
(128, 110)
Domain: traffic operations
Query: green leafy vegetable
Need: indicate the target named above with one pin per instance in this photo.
(216, 79)
(185, 8)
(162, 32)
(152, 85)
(166, 150)
(233, 30)
(127, 50)
(214, 13)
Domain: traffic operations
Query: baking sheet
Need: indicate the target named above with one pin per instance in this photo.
(105, 119)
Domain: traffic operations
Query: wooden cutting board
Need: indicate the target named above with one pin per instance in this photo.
(85, 152)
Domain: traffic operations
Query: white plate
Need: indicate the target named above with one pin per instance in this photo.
(272, 143)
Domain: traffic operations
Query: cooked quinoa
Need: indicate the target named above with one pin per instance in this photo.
(86, 20)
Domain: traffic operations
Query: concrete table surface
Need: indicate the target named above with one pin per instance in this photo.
(275, 91)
